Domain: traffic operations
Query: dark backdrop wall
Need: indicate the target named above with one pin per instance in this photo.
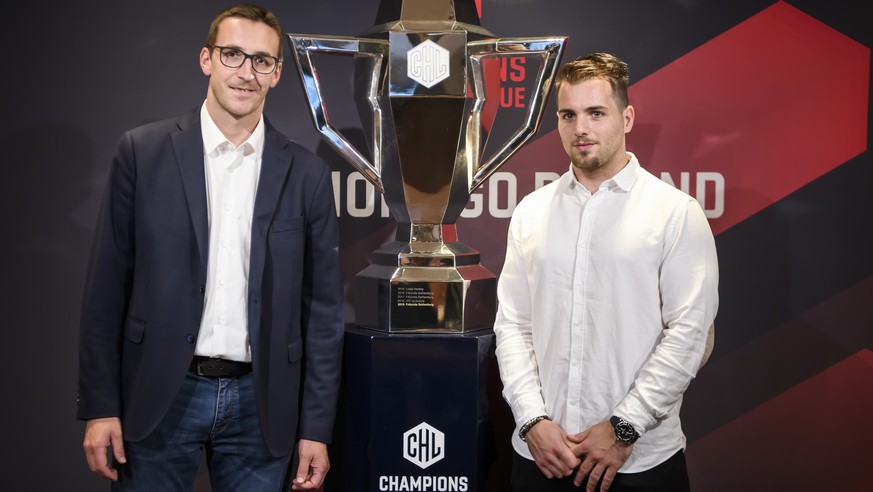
(758, 108)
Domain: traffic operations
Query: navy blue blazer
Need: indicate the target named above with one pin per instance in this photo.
(144, 292)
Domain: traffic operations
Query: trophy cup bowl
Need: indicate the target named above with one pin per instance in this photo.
(420, 90)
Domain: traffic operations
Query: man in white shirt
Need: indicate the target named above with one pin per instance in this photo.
(605, 303)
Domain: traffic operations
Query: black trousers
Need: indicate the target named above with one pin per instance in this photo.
(669, 476)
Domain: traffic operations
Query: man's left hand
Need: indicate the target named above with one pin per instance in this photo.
(601, 454)
(312, 466)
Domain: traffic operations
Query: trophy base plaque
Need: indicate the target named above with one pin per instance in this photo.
(447, 291)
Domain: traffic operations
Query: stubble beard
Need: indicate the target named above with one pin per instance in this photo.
(586, 163)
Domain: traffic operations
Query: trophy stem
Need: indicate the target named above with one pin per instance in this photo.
(427, 248)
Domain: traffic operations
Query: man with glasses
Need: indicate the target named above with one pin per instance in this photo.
(212, 315)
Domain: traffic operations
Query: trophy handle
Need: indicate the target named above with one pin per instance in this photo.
(551, 49)
(302, 47)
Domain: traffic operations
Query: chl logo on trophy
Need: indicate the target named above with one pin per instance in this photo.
(424, 445)
(428, 64)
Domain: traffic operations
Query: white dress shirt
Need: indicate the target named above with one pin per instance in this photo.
(605, 303)
(231, 184)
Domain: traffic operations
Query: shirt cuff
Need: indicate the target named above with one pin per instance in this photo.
(526, 407)
(635, 411)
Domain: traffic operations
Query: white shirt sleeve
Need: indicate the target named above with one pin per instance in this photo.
(512, 328)
(689, 295)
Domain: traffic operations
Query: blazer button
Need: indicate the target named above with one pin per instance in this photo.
(190, 338)
(202, 288)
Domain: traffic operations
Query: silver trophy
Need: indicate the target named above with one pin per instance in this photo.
(420, 88)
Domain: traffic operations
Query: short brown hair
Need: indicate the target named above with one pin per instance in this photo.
(245, 11)
(597, 66)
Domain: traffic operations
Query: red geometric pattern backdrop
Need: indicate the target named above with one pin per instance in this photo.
(750, 104)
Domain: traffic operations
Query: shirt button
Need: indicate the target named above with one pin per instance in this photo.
(189, 338)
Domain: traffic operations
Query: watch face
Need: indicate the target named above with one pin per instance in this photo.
(625, 432)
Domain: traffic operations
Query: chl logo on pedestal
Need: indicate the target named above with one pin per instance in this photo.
(424, 445)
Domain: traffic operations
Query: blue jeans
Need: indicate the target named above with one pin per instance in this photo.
(215, 414)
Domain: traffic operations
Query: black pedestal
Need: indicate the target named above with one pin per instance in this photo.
(415, 411)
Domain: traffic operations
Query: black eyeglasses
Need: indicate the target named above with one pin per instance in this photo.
(234, 58)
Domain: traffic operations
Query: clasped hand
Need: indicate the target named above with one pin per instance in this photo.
(594, 453)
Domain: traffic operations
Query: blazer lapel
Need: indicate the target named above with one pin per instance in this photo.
(274, 168)
(275, 164)
(188, 145)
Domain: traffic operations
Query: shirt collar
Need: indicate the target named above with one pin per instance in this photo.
(626, 178)
(214, 140)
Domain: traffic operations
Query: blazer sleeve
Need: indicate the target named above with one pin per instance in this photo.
(107, 291)
(322, 315)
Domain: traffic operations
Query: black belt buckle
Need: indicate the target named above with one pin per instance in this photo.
(219, 368)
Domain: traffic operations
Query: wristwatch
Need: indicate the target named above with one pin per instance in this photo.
(624, 430)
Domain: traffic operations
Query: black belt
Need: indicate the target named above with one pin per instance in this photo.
(218, 368)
